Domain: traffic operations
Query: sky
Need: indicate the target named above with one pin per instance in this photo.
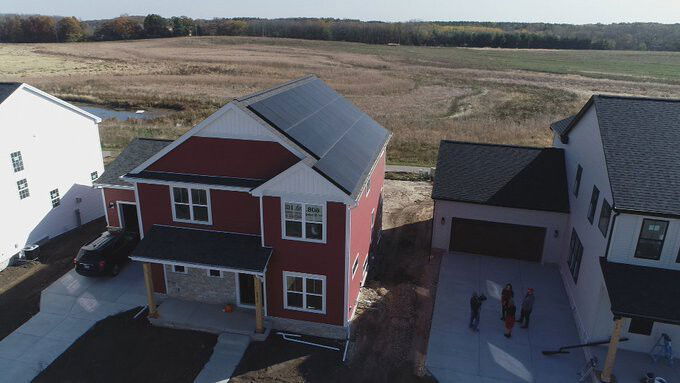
(550, 11)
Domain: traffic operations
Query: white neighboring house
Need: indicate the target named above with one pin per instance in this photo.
(608, 212)
(49, 155)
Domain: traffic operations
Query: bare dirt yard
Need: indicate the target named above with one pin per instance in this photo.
(20, 285)
(422, 94)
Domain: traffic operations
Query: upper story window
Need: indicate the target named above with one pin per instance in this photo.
(94, 175)
(593, 204)
(303, 221)
(368, 186)
(23, 189)
(577, 181)
(190, 205)
(372, 218)
(575, 255)
(54, 198)
(17, 161)
(355, 266)
(651, 239)
(304, 292)
(605, 215)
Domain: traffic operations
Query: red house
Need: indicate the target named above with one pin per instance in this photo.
(279, 192)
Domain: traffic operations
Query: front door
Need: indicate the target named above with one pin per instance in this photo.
(246, 290)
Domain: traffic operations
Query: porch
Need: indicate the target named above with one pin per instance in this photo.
(631, 366)
(191, 315)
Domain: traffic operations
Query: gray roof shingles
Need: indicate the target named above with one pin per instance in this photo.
(7, 88)
(209, 248)
(561, 126)
(138, 151)
(500, 175)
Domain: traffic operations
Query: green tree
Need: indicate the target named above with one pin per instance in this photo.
(156, 26)
(182, 26)
(69, 29)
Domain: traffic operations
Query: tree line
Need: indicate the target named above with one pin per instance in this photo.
(628, 36)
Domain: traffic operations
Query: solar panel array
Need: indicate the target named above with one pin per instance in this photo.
(345, 140)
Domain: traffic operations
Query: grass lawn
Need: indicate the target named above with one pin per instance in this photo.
(123, 349)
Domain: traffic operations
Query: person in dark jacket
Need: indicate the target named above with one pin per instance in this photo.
(506, 296)
(527, 306)
(510, 312)
(475, 308)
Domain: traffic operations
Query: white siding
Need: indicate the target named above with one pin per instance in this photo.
(300, 182)
(585, 148)
(236, 124)
(625, 238)
(60, 148)
(553, 248)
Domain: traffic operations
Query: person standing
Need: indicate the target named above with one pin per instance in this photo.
(527, 306)
(506, 296)
(475, 308)
(510, 312)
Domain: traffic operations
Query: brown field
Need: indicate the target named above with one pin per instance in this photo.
(421, 94)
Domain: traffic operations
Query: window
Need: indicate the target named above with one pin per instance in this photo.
(179, 269)
(365, 270)
(641, 326)
(23, 189)
(593, 204)
(651, 239)
(368, 186)
(309, 225)
(372, 218)
(214, 273)
(54, 197)
(190, 205)
(94, 176)
(575, 255)
(605, 215)
(577, 182)
(17, 161)
(304, 292)
(355, 266)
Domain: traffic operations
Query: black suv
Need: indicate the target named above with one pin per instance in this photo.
(106, 254)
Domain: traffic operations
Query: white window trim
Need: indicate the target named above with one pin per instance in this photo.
(28, 192)
(304, 221)
(364, 271)
(304, 292)
(20, 161)
(355, 266)
(368, 186)
(207, 271)
(53, 199)
(174, 269)
(94, 175)
(372, 218)
(191, 205)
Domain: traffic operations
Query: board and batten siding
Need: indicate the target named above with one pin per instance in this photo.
(60, 149)
(553, 248)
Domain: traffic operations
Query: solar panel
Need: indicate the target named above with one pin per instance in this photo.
(344, 139)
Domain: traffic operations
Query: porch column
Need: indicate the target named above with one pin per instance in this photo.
(148, 280)
(606, 375)
(259, 311)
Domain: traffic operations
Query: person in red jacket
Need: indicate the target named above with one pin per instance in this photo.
(510, 313)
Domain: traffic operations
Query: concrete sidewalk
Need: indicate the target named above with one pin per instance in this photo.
(226, 355)
(457, 354)
(68, 308)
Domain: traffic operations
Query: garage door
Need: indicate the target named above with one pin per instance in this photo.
(497, 239)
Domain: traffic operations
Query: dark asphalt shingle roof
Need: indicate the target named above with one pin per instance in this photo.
(196, 178)
(499, 175)
(560, 126)
(201, 247)
(7, 88)
(138, 151)
(345, 141)
(632, 295)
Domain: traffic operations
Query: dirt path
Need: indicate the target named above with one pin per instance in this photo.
(21, 300)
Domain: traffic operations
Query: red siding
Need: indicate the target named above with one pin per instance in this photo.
(111, 196)
(361, 231)
(306, 257)
(227, 157)
(236, 212)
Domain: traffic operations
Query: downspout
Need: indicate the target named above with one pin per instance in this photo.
(611, 232)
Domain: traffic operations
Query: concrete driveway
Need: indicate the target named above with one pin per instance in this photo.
(457, 354)
(68, 308)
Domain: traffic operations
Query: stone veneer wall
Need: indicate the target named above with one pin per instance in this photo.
(309, 328)
(197, 285)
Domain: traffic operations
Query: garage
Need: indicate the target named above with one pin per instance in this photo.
(500, 201)
(497, 239)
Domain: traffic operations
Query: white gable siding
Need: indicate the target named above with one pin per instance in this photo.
(585, 148)
(236, 124)
(302, 183)
(60, 149)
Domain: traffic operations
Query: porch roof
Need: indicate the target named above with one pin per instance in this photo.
(240, 252)
(642, 292)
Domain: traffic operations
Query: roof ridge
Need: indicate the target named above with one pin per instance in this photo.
(498, 145)
(275, 88)
(639, 98)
